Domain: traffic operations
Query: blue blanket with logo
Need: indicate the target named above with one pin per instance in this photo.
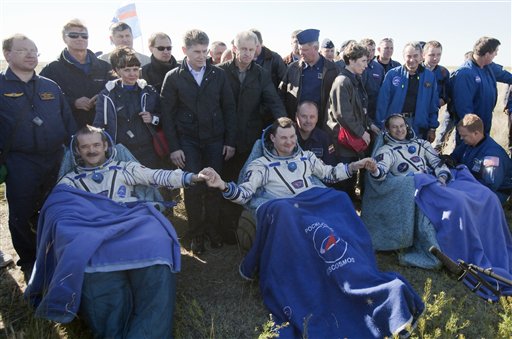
(469, 221)
(317, 271)
(83, 232)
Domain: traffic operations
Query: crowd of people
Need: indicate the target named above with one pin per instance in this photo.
(328, 108)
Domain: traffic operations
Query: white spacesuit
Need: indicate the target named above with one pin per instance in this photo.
(116, 179)
(404, 157)
(283, 177)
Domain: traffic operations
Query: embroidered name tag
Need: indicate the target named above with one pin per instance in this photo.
(46, 96)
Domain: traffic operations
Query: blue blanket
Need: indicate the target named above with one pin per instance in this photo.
(82, 232)
(469, 221)
(317, 271)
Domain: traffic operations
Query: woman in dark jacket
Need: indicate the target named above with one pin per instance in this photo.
(128, 108)
(348, 108)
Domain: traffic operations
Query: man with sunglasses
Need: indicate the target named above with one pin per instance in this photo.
(78, 72)
(162, 60)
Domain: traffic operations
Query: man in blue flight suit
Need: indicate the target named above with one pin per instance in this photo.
(474, 83)
(372, 77)
(310, 78)
(36, 122)
(486, 159)
(410, 89)
(312, 138)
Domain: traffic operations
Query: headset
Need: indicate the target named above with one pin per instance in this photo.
(77, 161)
(410, 132)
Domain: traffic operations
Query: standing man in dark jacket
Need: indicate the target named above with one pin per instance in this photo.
(35, 124)
(162, 60)
(78, 72)
(198, 113)
(269, 60)
(294, 54)
(310, 78)
(253, 89)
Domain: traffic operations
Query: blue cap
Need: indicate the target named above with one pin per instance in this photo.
(327, 43)
(308, 35)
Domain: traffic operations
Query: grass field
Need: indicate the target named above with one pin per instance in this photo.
(214, 302)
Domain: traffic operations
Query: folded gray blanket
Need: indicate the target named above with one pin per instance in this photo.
(394, 222)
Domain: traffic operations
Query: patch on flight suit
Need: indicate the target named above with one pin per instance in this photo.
(247, 176)
(490, 161)
(403, 167)
(331, 149)
(319, 152)
(298, 183)
(415, 159)
(379, 157)
(13, 95)
(320, 76)
(121, 191)
(477, 165)
(396, 81)
(46, 96)
(427, 84)
(478, 79)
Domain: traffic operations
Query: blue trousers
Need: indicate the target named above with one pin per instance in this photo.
(136, 303)
(30, 178)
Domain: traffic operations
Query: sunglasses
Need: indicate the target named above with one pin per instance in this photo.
(162, 48)
(75, 35)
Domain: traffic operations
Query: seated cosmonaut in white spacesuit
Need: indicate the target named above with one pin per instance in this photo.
(103, 252)
(312, 254)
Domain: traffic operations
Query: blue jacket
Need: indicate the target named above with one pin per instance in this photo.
(111, 102)
(45, 122)
(389, 66)
(372, 77)
(495, 175)
(320, 143)
(117, 110)
(474, 91)
(501, 74)
(394, 90)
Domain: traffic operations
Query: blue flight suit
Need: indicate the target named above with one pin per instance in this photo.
(483, 164)
(474, 91)
(392, 98)
(372, 78)
(319, 143)
(36, 122)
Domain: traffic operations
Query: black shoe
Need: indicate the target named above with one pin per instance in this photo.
(229, 237)
(27, 272)
(197, 245)
(215, 241)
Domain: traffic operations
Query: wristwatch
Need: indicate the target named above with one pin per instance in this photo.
(156, 120)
